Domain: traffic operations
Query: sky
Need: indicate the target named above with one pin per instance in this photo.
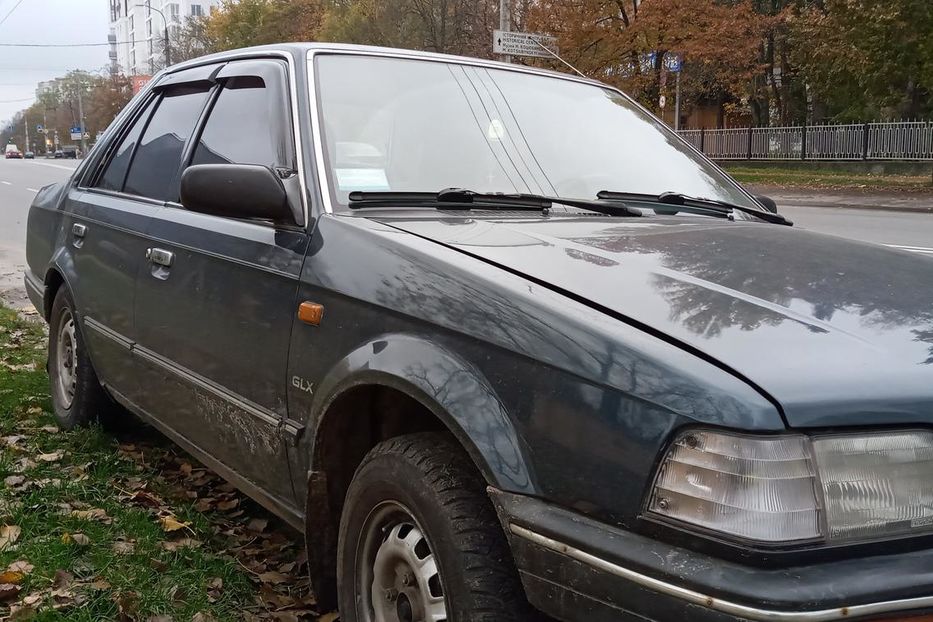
(47, 21)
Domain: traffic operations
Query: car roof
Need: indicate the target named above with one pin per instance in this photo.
(300, 50)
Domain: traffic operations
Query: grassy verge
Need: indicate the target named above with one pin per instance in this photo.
(95, 526)
(836, 180)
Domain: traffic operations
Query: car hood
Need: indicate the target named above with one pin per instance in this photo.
(838, 332)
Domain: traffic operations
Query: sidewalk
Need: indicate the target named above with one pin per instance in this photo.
(850, 199)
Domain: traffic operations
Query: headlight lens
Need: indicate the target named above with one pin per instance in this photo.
(876, 486)
(794, 488)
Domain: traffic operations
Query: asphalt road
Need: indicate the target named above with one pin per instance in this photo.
(19, 182)
(21, 179)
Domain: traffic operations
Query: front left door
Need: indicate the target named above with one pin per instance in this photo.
(216, 302)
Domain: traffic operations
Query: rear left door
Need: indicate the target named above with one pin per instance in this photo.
(215, 311)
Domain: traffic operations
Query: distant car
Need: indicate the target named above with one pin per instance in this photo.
(29, 155)
(12, 153)
(70, 152)
(59, 154)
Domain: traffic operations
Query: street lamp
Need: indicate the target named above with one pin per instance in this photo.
(167, 46)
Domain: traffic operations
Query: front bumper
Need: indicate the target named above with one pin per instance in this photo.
(574, 568)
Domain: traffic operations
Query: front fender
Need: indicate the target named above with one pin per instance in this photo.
(446, 384)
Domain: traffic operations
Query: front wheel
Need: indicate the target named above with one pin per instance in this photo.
(419, 540)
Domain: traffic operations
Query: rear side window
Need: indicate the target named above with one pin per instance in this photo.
(115, 173)
(242, 127)
(154, 172)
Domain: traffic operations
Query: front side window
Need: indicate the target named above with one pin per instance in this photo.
(154, 172)
(241, 127)
(421, 126)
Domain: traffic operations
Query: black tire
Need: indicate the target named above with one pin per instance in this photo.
(431, 477)
(89, 401)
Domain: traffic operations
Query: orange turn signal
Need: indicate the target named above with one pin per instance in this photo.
(310, 313)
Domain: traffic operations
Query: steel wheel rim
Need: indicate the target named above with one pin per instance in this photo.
(398, 579)
(66, 360)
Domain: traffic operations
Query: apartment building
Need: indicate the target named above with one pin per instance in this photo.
(137, 30)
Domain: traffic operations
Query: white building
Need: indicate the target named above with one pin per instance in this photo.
(137, 30)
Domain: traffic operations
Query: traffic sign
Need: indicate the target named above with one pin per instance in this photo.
(40, 129)
(673, 62)
(76, 133)
(662, 101)
(524, 44)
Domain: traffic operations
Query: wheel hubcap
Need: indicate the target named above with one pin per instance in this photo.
(398, 574)
(66, 360)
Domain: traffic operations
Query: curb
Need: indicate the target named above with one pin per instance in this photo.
(802, 202)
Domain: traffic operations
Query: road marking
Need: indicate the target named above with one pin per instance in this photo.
(65, 168)
(6, 183)
(923, 250)
(32, 189)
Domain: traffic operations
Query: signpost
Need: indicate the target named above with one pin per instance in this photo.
(76, 133)
(674, 63)
(524, 44)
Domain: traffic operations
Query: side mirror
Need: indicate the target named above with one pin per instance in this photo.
(767, 203)
(235, 190)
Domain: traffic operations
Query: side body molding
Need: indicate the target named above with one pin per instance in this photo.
(446, 384)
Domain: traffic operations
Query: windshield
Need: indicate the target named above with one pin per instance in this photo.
(421, 126)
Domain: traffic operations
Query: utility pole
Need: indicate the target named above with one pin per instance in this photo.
(677, 101)
(81, 116)
(505, 21)
(26, 122)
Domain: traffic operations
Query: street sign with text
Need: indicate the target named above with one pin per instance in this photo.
(524, 44)
(76, 133)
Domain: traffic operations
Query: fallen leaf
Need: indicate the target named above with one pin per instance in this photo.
(228, 505)
(215, 584)
(273, 577)
(122, 547)
(9, 576)
(21, 566)
(51, 429)
(258, 525)
(183, 543)
(14, 480)
(202, 617)
(54, 456)
(127, 605)
(329, 617)
(95, 514)
(8, 535)
(159, 618)
(62, 579)
(170, 523)
(100, 585)
(8, 591)
(32, 599)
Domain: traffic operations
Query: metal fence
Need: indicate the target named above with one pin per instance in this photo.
(900, 140)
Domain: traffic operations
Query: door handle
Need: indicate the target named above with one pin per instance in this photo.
(78, 230)
(160, 257)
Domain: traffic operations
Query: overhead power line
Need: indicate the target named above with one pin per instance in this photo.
(16, 101)
(69, 45)
(10, 12)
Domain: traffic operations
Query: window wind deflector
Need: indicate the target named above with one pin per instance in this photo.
(684, 202)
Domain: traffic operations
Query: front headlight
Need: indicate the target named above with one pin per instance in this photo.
(791, 488)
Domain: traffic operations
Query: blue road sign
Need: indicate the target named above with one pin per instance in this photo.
(673, 62)
(40, 128)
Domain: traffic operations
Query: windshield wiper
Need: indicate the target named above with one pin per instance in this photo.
(461, 199)
(684, 202)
